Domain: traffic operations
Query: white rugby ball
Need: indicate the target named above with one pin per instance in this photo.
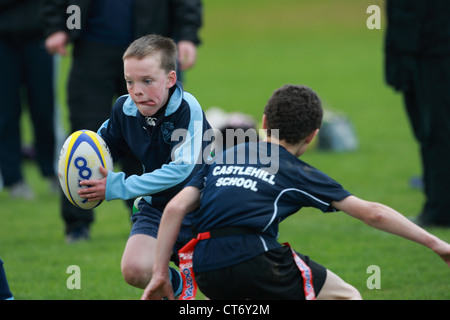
(82, 154)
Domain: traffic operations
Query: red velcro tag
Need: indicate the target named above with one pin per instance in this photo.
(307, 276)
(185, 255)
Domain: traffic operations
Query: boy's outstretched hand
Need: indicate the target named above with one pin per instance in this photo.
(158, 288)
(96, 188)
(443, 250)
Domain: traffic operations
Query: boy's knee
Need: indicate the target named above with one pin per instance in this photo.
(136, 266)
(335, 288)
(135, 274)
(351, 293)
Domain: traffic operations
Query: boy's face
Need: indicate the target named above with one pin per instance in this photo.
(147, 83)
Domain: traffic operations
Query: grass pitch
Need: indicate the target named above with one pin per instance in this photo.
(249, 49)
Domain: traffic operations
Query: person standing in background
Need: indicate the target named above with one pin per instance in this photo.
(26, 80)
(417, 63)
(96, 77)
(5, 292)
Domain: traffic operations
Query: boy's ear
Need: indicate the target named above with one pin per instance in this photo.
(311, 136)
(264, 122)
(171, 79)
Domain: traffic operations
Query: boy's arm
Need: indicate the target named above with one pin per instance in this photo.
(387, 219)
(184, 202)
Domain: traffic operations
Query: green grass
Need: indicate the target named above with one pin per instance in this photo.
(249, 49)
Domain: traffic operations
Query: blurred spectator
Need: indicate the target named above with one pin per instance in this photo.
(96, 78)
(26, 80)
(227, 125)
(417, 48)
(5, 292)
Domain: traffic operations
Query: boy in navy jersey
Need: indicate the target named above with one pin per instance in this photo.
(163, 126)
(237, 255)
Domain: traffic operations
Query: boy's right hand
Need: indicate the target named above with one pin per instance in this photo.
(443, 250)
(159, 288)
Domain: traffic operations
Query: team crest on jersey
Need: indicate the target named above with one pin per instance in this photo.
(151, 121)
(167, 129)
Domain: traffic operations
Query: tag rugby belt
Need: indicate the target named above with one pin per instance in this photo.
(186, 253)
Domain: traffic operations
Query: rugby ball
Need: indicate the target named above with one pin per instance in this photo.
(81, 155)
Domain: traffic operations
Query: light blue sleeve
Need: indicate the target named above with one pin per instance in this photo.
(104, 125)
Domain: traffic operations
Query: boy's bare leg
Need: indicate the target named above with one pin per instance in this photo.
(335, 288)
(137, 260)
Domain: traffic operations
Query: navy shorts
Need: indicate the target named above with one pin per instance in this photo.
(146, 221)
(270, 276)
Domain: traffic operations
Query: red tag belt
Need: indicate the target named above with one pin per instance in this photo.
(186, 267)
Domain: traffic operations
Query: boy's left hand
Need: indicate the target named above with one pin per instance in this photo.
(96, 188)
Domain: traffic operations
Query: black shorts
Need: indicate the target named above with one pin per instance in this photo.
(270, 276)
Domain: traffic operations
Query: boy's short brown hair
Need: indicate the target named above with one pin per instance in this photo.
(151, 44)
(295, 110)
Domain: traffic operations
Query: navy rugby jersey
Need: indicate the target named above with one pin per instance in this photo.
(256, 193)
(169, 145)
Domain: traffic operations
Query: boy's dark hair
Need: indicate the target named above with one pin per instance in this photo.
(295, 110)
(151, 44)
